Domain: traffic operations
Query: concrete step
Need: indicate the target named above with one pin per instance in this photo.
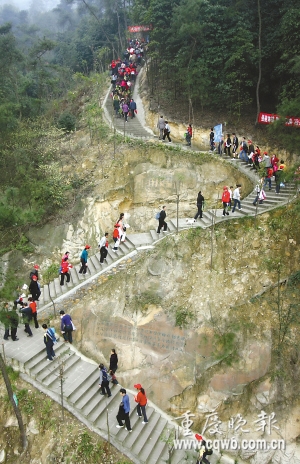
(75, 378)
(58, 287)
(103, 404)
(90, 383)
(172, 225)
(144, 431)
(154, 235)
(154, 445)
(39, 356)
(96, 262)
(52, 291)
(38, 367)
(68, 364)
(74, 276)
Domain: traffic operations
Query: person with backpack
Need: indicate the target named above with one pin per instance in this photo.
(161, 220)
(103, 381)
(141, 400)
(25, 310)
(226, 201)
(84, 259)
(203, 451)
(200, 203)
(49, 340)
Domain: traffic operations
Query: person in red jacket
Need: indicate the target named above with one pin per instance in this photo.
(189, 134)
(226, 200)
(65, 266)
(141, 400)
(116, 237)
(32, 305)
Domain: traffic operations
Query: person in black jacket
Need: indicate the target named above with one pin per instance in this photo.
(235, 144)
(200, 201)
(34, 288)
(161, 221)
(27, 316)
(203, 451)
(113, 362)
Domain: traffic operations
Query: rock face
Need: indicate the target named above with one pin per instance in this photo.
(138, 189)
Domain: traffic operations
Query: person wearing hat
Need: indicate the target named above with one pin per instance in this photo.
(124, 410)
(203, 450)
(84, 259)
(66, 326)
(34, 288)
(35, 272)
(141, 400)
(226, 200)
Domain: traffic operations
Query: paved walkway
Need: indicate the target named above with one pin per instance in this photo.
(81, 394)
(82, 398)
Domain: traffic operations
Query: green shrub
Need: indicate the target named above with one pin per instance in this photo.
(67, 122)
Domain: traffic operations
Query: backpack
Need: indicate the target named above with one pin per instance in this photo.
(157, 216)
(51, 333)
(104, 374)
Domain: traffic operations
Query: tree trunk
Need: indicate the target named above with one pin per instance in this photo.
(15, 407)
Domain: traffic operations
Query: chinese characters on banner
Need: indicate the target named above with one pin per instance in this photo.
(140, 28)
(265, 423)
(267, 118)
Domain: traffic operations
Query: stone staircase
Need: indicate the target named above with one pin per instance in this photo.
(145, 445)
(136, 242)
(82, 398)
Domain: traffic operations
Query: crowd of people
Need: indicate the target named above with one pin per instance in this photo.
(123, 76)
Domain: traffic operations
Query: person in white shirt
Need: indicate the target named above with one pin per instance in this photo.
(237, 198)
(103, 246)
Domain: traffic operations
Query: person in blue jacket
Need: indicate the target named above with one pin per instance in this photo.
(83, 259)
(124, 410)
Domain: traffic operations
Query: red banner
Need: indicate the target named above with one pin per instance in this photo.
(268, 118)
(140, 28)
